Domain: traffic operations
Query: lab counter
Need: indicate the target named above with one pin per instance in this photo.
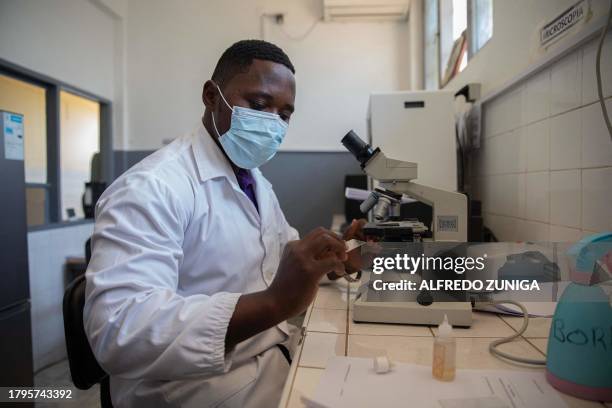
(328, 330)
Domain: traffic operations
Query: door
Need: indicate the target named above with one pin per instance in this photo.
(13, 229)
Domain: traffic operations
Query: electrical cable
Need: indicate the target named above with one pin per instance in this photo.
(301, 36)
(494, 344)
(602, 102)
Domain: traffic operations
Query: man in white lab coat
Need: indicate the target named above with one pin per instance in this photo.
(194, 268)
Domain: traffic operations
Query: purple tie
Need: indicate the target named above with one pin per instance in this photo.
(247, 185)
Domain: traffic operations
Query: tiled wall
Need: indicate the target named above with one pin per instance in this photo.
(544, 170)
(47, 252)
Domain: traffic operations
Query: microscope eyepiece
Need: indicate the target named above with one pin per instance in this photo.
(360, 149)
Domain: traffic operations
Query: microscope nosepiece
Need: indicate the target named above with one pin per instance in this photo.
(369, 202)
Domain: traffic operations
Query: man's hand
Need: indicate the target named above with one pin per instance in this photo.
(353, 261)
(302, 265)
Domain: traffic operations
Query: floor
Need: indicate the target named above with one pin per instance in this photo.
(58, 376)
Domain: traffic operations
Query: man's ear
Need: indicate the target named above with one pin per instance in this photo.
(210, 93)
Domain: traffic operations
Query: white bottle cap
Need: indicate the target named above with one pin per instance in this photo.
(382, 365)
(445, 329)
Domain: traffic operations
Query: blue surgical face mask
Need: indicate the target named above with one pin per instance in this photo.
(254, 136)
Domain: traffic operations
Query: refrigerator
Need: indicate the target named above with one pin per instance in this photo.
(419, 127)
(15, 326)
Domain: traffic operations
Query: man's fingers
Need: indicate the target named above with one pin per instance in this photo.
(327, 243)
(330, 264)
(355, 230)
(321, 231)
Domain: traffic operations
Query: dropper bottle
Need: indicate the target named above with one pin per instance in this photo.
(444, 352)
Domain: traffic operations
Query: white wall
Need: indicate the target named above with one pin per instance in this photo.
(544, 170)
(337, 67)
(173, 48)
(514, 45)
(47, 254)
(65, 39)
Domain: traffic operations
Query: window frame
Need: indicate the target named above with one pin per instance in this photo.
(471, 52)
(471, 28)
(53, 87)
(435, 43)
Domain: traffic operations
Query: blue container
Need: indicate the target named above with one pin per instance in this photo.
(579, 355)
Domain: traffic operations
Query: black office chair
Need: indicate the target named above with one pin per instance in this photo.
(84, 368)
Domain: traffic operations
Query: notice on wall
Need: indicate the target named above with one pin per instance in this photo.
(12, 133)
(560, 25)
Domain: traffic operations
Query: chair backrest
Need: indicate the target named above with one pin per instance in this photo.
(84, 368)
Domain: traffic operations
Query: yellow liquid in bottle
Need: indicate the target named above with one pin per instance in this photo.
(443, 367)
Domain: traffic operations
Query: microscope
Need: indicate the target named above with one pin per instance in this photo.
(447, 233)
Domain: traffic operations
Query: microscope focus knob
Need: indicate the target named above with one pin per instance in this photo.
(424, 298)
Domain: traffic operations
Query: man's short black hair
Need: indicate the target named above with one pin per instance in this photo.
(239, 57)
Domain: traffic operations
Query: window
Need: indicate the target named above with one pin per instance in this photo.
(29, 100)
(79, 141)
(432, 76)
(454, 31)
(481, 21)
(67, 143)
(453, 38)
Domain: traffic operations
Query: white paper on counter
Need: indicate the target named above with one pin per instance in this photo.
(351, 382)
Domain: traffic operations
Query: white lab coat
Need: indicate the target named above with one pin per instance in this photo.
(176, 242)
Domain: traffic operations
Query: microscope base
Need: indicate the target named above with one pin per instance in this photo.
(459, 313)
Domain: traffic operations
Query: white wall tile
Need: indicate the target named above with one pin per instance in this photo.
(597, 199)
(538, 146)
(596, 142)
(486, 162)
(503, 113)
(504, 228)
(511, 152)
(507, 195)
(498, 196)
(565, 140)
(487, 193)
(564, 234)
(537, 198)
(566, 83)
(589, 82)
(492, 117)
(565, 198)
(536, 97)
(522, 195)
(563, 146)
(503, 154)
(533, 231)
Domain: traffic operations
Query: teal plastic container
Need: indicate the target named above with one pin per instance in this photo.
(579, 354)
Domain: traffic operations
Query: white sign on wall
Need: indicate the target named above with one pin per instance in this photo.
(561, 24)
(12, 130)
